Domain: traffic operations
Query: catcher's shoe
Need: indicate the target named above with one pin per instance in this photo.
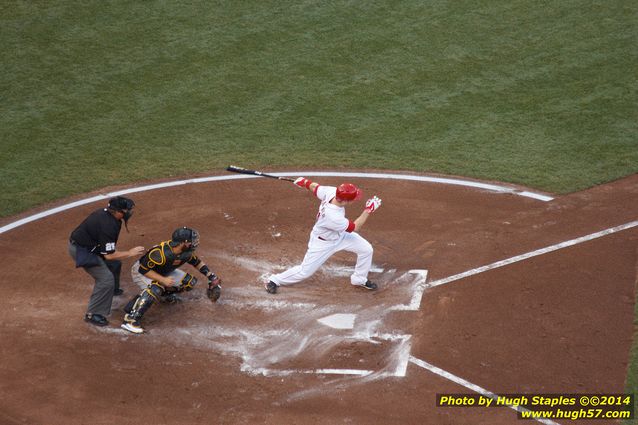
(271, 287)
(132, 325)
(369, 285)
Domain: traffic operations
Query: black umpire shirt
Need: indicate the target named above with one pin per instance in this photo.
(98, 232)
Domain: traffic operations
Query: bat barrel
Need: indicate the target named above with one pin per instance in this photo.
(235, 169)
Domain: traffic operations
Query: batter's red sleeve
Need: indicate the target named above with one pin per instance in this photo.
(350, 227)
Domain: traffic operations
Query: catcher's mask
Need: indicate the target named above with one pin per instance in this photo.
(123, 205)
(186, 234)
(348, 192)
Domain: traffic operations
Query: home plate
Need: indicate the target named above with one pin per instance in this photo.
(338, 321)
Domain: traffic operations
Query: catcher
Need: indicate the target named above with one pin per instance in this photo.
(159, 274)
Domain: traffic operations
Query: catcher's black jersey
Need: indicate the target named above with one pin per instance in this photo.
(163, 260)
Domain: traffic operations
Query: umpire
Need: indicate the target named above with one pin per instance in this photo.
(92, 245)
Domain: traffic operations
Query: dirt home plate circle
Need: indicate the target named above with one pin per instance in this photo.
(484, 289)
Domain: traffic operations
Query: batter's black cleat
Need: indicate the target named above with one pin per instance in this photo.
(271, 287)
(96, 319)
(369, 285)
(118, 291)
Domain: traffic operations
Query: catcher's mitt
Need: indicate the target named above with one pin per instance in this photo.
(214, 290)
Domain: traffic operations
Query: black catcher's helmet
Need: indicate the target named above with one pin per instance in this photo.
(186, 234)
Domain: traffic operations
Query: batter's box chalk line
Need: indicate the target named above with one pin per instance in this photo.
(416, 279)
(396, 358)
(399, 354)
(398, 368)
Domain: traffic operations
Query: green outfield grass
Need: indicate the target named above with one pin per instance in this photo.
(103, 93)
(100, 93)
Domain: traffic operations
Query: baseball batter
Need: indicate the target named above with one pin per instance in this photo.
(331, 233)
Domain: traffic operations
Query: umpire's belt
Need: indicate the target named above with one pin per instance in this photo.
(77, 244)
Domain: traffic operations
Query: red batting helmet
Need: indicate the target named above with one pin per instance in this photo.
(348, 192)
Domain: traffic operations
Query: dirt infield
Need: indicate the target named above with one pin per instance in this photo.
(554, 321)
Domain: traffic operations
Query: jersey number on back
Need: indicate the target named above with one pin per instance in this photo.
(322, 211)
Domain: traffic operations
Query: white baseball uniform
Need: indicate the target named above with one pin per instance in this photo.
(331, 233)
(142, 281)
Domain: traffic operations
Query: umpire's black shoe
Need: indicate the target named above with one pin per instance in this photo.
(118, 291)
(96, 319)
(271, 287)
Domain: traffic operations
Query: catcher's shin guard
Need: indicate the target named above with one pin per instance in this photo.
(145, 300)
(129, 305)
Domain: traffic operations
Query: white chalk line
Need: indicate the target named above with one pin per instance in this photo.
(402, 353)
(470, 386)
(268, 305)
(531, 254)
(279, 373)
(419, 287)
(572, 242)
(457, 182)
(441, 180)
(399, 371)
(396, 366)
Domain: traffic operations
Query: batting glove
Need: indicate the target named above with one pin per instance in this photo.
(303, 182)
(373, 204)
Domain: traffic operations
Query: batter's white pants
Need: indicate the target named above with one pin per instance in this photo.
(318, 253)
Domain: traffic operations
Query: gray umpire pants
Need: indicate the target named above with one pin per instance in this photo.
(102, 296)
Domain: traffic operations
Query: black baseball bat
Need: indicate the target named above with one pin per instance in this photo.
(235, 169)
